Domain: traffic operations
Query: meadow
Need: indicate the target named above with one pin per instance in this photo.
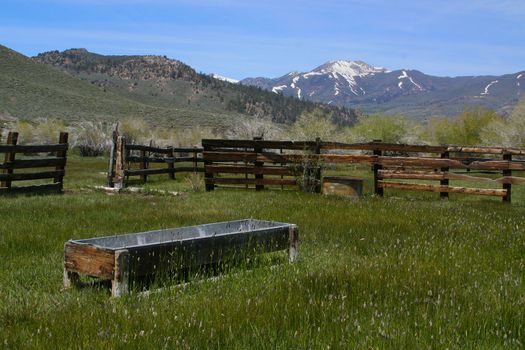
(403, 271)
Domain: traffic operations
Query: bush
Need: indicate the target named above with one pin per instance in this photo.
(40, 131)
(254, 127)
(92, 139)
(507, 133)
(312, 125)
(393, 129)
(467, 129)
(135, 130)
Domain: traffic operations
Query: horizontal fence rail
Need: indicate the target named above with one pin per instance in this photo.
(258, 163)
(129, 160)
(32, 165)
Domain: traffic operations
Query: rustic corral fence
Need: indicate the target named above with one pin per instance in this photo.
(24, 163)
(128, 160)
(260, 163)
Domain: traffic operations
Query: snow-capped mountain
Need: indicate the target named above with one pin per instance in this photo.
(220, 77)
(410, 92)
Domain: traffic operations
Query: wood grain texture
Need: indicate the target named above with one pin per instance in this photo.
(12, 139)
(290, 145)
(34, 163)
(439, 188)
(121, 273)
(232, 169)
(440, 175)
(89, 260)
(32, 176)
(244, 181)
(33, 148)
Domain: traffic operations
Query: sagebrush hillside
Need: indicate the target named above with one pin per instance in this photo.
(30, 90)
(170, 84)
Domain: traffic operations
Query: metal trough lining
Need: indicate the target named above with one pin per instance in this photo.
(188, 233)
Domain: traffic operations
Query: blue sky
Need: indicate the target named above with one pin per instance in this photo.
(270, 38)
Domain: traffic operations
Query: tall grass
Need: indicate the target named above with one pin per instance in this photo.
(405, 271)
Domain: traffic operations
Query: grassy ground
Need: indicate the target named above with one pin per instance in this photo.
(404, 271)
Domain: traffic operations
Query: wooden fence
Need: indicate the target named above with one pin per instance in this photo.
(258, 165)
(128, 160)
(392, 165)
(17, 158)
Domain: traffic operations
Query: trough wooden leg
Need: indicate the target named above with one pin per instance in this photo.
(293, 251)
(120, 282)
(71, 279)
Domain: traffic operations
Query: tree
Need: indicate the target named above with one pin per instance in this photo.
(507, 133)
(393, 129)
(517, 125)
(467, 129)
(311, 125)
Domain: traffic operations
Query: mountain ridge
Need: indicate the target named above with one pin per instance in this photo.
(162, 81)
(356, 84)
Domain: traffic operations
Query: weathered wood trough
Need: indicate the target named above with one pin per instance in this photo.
(120, 257)
(343, 186)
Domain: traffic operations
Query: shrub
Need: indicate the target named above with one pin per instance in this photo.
(91, 138)
(467, 129)
(254, 127)
(393, 129)
(314, 124)
(135, 130)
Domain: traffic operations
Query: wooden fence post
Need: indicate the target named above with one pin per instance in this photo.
(282, 165)
(317, 166)
(507, 186)
(120, 161)
(12, 139)
(258, 149)
(171, 163)
(444, 182)
(377, 190)
(111, 166)
(63, 138)
(143, 165)
(207, 174)
(195, 170)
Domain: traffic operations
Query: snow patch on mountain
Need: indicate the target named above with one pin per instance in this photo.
(277, 89)
(220, 77)
(486, 92)
(311, 74)
(294, 85)
(404, 75)
(348, 71)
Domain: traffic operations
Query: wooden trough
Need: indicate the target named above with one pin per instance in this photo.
(343, 186)
(117, 258)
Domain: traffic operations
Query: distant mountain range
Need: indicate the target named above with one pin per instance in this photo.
(356, 84)
(79, 85)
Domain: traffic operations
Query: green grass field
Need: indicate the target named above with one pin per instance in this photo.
(404, 271)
